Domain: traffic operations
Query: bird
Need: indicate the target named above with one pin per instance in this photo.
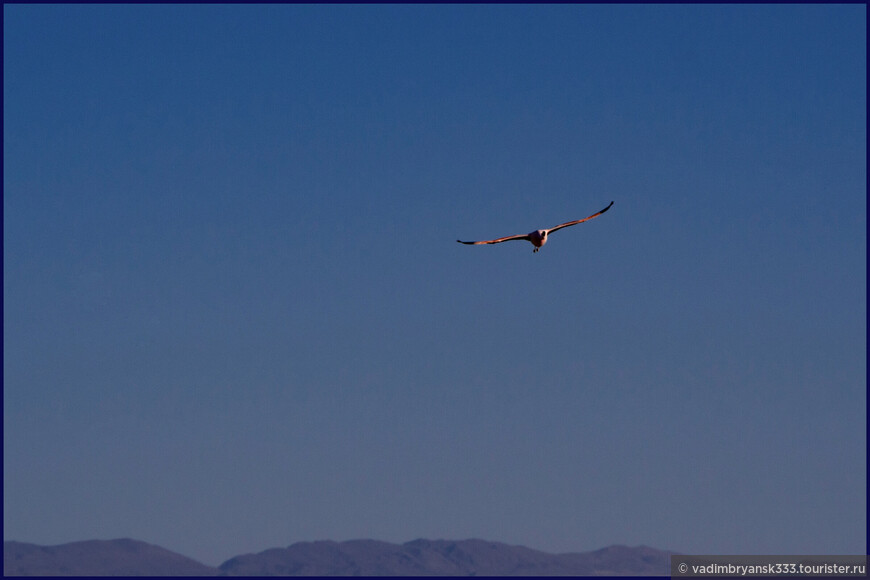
(538, 237)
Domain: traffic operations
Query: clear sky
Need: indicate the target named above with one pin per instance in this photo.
(236, 315)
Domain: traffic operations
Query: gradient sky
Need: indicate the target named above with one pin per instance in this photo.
(236, 315)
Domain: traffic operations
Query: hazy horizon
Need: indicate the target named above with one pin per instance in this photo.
(356, 558)
(236, 315)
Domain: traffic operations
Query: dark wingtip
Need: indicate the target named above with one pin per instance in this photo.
(606, 208)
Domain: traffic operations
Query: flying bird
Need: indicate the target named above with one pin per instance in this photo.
(539, 237)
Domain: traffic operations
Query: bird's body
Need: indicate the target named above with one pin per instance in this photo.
(538, 237)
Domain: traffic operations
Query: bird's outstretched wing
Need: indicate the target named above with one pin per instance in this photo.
(499, 240)
(575, 222)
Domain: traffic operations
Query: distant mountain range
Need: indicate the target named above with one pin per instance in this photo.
(325, 558)
(98, 558)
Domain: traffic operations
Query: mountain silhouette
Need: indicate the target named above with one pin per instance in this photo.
(327, 558)
(99, 558)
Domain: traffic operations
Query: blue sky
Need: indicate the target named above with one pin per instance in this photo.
(236, 317)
